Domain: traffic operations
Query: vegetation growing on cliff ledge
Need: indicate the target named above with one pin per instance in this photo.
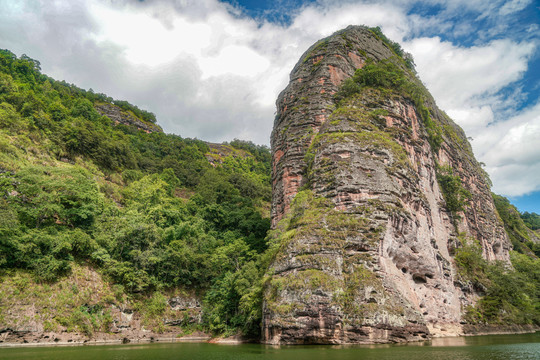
(522, 233)
(396, 48)
(532, 220)
(389, 75)
(313, 238)
(455, 195)
(511, 296)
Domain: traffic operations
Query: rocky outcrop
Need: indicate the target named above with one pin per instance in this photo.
(218, 153)
(85, 308)
(365, 237)
(120, 116)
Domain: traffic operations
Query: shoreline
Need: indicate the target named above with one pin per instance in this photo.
(163, 340)
(235, 340)
(482, 330)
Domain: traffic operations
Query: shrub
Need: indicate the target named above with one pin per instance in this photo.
(455, 195)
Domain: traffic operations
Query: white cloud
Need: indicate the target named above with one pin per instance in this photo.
(234, 59)
(513, 6)
(472, 118)
(511, 150)
(460, 75)
(465, 81)
(144, 38)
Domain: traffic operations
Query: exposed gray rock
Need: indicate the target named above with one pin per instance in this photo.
(119, 116)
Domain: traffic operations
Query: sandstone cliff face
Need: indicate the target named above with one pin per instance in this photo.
(365, 247)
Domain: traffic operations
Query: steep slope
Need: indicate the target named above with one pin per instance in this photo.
(523, 238)
(371, 197)
(109, 225)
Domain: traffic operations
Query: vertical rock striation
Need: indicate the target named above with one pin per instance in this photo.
(363, 232)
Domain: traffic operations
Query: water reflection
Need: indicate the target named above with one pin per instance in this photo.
(487, 340)
(501, 347)
(449, 341)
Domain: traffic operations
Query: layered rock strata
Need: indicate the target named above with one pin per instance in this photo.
(364, 234)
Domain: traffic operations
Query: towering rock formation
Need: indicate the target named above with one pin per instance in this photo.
(371, 196)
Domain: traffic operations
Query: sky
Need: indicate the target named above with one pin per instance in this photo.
(212, 69)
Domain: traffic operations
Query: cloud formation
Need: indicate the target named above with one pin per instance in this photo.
(209, 71)
(511, 152)
(466, 81)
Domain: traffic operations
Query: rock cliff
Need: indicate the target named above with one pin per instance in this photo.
(48, 313)
(120, 116)
(371, 196)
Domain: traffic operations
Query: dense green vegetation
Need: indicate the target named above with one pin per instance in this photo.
(455, 195)
(395, 47)
(532, 220)
(518, 229)
(511, 296)
(149, 211)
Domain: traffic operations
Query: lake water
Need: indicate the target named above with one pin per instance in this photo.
(498, 347)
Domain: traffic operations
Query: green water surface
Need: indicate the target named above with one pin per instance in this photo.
(499, 347)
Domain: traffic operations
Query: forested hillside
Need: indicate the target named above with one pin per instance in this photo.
(150, 212)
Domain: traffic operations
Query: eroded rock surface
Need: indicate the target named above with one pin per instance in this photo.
(59, 313)
(366, 245)
(119, 116)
